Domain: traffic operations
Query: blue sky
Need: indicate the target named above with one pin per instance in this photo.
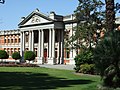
(12, 11)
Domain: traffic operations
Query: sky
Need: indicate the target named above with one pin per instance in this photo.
(12, 11)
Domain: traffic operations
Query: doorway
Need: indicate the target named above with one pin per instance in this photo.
(45, 55)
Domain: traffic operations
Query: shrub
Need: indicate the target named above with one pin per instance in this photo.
(29, 55)
(16, 55)
(85, 57)
(3, 54)
(87, 68)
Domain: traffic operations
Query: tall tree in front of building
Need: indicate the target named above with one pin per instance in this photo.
(110, 15)
(89, 14)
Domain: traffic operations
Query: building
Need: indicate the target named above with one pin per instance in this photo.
(43, 34)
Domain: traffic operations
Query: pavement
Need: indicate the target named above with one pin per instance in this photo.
(59, 66)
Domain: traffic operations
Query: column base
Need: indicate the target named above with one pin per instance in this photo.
(61, 60)
(58, 60)
(40, 60)
(72, 61)
(51, 60)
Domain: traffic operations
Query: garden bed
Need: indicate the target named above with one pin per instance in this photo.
(17, 65)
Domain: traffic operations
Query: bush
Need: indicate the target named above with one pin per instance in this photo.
(85, 57)
(3, 54)
(87, 68)
(29, 55)
(16, 55)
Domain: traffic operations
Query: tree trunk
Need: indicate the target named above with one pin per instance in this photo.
(110, 15)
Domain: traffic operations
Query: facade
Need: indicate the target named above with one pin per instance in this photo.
(42, 34)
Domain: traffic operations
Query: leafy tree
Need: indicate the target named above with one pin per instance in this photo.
(16, 55)
(29, 55)
(89, 15)
(107, 58)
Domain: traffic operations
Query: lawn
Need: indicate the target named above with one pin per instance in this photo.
(36, 78)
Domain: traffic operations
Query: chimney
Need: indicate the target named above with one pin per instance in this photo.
(52, 15)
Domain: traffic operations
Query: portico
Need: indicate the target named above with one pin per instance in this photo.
(44, 35)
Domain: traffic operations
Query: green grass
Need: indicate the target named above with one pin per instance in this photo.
(36, 78)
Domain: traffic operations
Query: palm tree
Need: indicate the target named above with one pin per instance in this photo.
(110, 14)
(107, 58)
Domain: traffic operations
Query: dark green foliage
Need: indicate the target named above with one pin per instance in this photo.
(16, 55)
(3, 54)
(87, 68)
(107, 58)
(85, 57)
(29, 55)
(89, 16)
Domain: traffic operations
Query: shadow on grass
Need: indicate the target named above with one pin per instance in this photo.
(35, 81)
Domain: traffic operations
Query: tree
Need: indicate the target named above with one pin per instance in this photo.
(88, 15)
(16, 55)
(3, 54)
(29, 55)
(107, 58)
(110, 14)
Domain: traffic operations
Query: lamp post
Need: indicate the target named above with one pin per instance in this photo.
(2, 1)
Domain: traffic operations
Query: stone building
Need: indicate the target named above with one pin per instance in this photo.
(43, 34)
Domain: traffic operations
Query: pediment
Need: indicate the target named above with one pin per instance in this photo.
(35, 18)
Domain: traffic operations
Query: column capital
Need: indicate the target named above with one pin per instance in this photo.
(41, 29)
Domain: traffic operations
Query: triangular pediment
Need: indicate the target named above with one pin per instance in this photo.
(35, 18)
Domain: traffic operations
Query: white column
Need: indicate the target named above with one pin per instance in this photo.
(62, 46)
(42, 44)
(53, 43)
(59, 47)
(32, 40)
(39, 44)
(51, 59)
(50, 44)
(21, 43)
(22, 48)
(40, 59)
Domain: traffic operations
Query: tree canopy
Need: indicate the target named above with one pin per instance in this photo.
(89, 17)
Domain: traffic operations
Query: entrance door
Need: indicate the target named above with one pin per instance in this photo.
(45, 55)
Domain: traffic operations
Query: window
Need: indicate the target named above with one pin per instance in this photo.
(67, 53)
(11, 40)
(27, 38)
(19, 40)
(8, 40)
(15, 40)
(5, 40)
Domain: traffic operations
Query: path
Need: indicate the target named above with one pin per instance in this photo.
(59, 66)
